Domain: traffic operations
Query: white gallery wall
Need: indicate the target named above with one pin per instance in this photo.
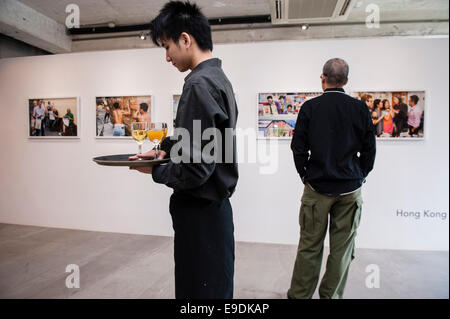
(55, 183)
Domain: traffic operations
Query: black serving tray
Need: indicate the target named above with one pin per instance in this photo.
(122, 160)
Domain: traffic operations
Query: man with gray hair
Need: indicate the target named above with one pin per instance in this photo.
(334, 151)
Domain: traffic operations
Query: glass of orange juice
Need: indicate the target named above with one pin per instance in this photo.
(156, 133)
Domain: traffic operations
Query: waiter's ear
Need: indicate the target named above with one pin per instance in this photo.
(185, 40)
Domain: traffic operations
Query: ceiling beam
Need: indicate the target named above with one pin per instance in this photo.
(145, 27)
(27, 25)
(268, 33)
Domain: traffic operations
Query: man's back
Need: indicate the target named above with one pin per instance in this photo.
(211, 77)
(118, 116)
(208, 98)
(337, 130)
(146, 118)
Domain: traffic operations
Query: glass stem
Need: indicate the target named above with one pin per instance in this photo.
(140, 148)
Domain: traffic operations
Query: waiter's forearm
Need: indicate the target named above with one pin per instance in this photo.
(183, 176)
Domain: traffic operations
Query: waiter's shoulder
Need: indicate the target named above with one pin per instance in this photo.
(203, 81)
(200, 80)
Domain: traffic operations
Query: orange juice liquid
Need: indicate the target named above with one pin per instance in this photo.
(156, 135)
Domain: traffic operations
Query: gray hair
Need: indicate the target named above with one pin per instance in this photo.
(336, 71)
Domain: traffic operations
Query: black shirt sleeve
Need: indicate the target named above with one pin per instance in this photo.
(368, 151)
(300, 143)
(199, 103)
(167, 144)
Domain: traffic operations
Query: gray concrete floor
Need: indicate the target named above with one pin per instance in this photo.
(33, 261)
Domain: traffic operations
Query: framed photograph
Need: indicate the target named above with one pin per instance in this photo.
(114, 114)
(277, 113)
(175, 101)
(396, 115)
(53, 117)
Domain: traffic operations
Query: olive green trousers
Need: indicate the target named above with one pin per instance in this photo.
(344, 214)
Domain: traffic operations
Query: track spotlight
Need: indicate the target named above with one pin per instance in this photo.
(305, 27)
(143, 36)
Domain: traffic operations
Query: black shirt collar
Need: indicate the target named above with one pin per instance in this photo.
(213, 62)
(335, 89)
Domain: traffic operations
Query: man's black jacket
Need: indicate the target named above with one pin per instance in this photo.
(334, 143)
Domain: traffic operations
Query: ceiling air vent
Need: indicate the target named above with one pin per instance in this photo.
(309, 11)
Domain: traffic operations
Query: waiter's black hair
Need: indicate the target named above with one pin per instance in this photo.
(177, 17)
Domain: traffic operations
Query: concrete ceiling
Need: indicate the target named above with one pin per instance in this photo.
(398, 18)
(128, 12)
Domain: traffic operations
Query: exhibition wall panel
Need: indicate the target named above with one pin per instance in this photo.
(55, 183)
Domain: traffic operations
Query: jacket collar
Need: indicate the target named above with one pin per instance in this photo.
(335, 90)
(213, 62)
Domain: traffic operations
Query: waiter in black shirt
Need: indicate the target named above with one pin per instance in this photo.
(334, 151)
(203, 177)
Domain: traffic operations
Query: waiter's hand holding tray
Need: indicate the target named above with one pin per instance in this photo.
(128, 160)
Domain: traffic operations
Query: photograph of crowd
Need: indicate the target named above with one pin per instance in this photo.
(277, 113)
(53, 117)
(396, 115)
(115, 114)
